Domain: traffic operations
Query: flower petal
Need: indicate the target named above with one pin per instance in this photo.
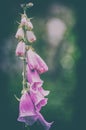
(27, 112)
(30, 36)
(43, 92)
(46, 124)
(36, 62)
(38, 99)
(42, 67)
(20, 34)
(29, 25)
(20, 49)
(33, 77)
(31, 60)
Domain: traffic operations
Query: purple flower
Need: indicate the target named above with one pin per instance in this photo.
(35, 88)
(27, 111)
(33, 77)
(43, 92)
(42, 67)
(30, 36)
(29, 114)
(46, 124)
(36, 62)
(38, 99)
(31, 60)
(20, 49)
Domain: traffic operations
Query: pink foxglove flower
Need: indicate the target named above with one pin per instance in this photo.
(29, 114)
(31, 60)
(36, 62)
(35, 88)
(46, 124)
(38, 99)
(27, 111)
(30, 36)
(23, 21)
(20, 49)
(42, 67)
(33, 77)
(29, 25)
(43, 92)
(20, 34)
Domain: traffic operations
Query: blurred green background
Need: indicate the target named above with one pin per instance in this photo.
(60, 29)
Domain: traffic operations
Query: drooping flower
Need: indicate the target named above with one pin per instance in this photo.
(29, 25)
(35, 88)
(20, 33)
(23, 21)
(43, 92)
(30, 36)
(42, 67)
(20, 49)
(31, 60)
(26, 22)
(36, 62)
(27, 111)
(33, 77)
(46, 124)
(29, 114)
(38, 99)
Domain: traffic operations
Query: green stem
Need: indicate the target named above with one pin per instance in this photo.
(24, 72)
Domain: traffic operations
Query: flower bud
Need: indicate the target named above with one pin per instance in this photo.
(24, 21)
(29, 25)
(20, 49)
(30, 36)
(29, 4)
(20, 34)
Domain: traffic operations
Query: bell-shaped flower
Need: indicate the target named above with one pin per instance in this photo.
(33, 77)
(38, 99)
(20, 49)
(43, 92)
(46, 124)
(35, 88)
(36, 62)
(20, 33)
(27, 111)
(30, 36)
(31, 60)
(42, 67)
(23, 21)
(29, 25)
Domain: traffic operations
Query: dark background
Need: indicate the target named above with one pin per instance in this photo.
(9, 10)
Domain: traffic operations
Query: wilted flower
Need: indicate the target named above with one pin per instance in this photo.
(20, 49)
(36, 62)
(20, 33)
(30, 36)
